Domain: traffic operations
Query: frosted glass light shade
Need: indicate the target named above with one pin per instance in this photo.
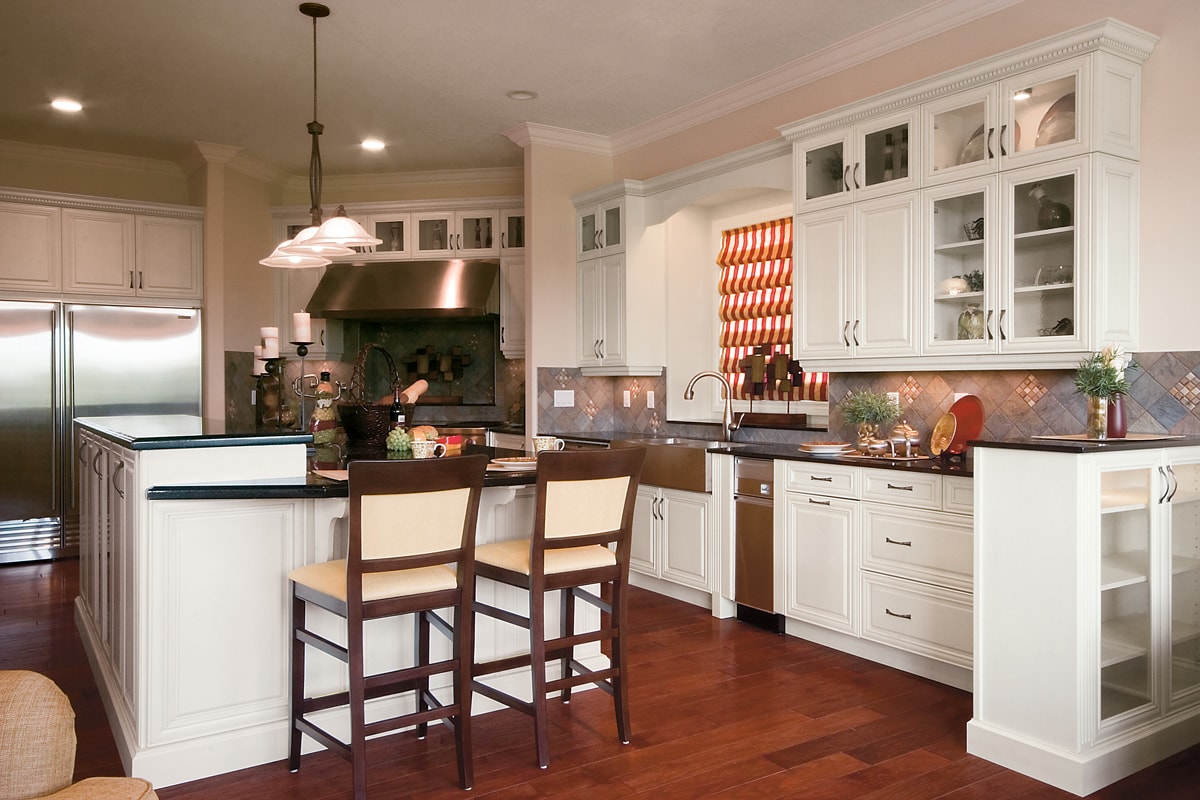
(281, 258)
(305, 242)
(341, 230)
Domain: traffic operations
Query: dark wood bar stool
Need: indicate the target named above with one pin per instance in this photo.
(409, 520)
(581, 536)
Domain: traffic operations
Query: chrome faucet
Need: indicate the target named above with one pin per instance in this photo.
(728, 426)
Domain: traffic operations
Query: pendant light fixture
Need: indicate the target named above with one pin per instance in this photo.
(315, 245)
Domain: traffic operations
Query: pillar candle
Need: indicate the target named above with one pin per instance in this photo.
(271, 347)
(301, 327)
(260, 367)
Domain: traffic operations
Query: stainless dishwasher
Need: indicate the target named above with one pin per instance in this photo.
(754, 542)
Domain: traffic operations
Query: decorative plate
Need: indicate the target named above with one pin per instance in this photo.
(942, 434)
(1058, 125)
(515, 462)
(826, 448)
(968, 422)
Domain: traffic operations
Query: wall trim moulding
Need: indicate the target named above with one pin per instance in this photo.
(42, 153)
(528, 133)
(502, 176)
(90, 203)
(503, 202)
(906, 30)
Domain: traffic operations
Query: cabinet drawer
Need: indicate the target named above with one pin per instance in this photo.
(830, 479)
(923, 545)
(920, 619)
(958, 494)
(917, 489)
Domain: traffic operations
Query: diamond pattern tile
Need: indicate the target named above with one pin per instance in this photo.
(1031, 390)
(910, 390)
(1187, 391)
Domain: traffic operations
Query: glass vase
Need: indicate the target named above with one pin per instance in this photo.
(867, 432)
(970, 322)
(1097, 417)
(1116, 416)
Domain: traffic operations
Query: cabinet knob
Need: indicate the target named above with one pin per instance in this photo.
(1000, 324)
(854, 334)
(990, 154)
(1003, 150)
(857, 164)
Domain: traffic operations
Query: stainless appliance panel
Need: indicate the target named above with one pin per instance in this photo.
(29, 475)
(754, 534)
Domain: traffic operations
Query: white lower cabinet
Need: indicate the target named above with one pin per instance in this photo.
(671, 536)
(882, 555)
(1088, 622)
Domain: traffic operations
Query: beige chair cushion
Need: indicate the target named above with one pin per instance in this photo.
(106, 789)
(514, 556)
(329, 577)
(578, 508)
(409, 524)
(37, 736)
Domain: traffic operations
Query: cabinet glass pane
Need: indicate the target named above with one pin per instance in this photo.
(612, 226)
(476, 233)
(587, 233)
(392, 233)
(960, 269)
(1125, 508)
(824, 171)
(432, 234)
(1043, 258)
(885, 155)
(959, 136)
(1044, 114)
(1185, 579)
(514, 232)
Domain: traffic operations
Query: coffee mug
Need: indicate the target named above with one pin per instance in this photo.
(426, 449)
(541, 443)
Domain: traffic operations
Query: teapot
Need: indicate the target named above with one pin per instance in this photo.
(905, 440)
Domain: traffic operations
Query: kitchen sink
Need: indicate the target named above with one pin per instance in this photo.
(675, 462)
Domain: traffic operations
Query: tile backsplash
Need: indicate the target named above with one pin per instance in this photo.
(1164, 397)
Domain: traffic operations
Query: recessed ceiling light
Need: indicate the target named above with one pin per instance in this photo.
(521, 94)
(66, 104)
(372, 144)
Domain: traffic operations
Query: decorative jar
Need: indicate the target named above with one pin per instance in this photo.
(970, 322)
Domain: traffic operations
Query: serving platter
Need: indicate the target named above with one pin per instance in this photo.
(826, 448)
(514, 463)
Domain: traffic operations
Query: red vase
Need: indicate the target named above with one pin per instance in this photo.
(1116, 416)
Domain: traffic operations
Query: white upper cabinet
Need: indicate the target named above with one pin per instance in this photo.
(868, 160)
(98, 251)
(600, 228)
(395, 232)
(456, 234)
(512, 229)
(30, 248)
(167, 253)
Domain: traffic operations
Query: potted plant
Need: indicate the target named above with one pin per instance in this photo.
(1100, 377)
(868, 410)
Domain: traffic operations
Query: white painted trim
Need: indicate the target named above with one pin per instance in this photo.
(78, 201)
(403, 207)
(528, 133)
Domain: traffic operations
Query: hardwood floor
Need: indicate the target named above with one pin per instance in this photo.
(719, 709)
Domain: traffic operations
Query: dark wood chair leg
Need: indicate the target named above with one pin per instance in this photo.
(421, 632)
(358, 736)
(537, 651)
(619, 684)
(464, 651)
(567, 624)
(297, 700)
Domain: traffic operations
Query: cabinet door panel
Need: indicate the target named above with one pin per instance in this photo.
(30, 248)
(98, 252)
(685, 538)
(168, 256)
(886, 276)
(819, 560)
(822, 291)
(643, 555)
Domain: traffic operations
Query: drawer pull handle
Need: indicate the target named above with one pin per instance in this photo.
(893, 541)
(826, 479)
(908, 488)
(891, 613)
(818, 502)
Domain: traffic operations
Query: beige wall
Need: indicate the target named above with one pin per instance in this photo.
(58, 169)
(249, 236)
(1170, 281)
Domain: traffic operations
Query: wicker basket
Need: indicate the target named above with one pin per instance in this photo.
(365, 422)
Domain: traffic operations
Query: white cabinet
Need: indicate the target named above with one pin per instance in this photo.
(601, 307)
(512, 306)
(394, 231)
(457, 234)
(600, 228)
(872, 159)
(512, 230)
(30, 248)
(856, 280)
(130, 255)
(1109, 606)
(671, 536)
(885, 555)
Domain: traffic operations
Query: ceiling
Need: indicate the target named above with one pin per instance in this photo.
(428, 77)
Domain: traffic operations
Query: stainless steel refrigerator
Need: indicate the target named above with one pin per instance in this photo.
(59, 361)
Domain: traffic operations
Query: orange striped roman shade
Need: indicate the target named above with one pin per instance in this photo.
(756, 311)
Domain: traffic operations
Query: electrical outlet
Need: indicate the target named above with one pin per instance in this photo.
(564, 398)
(958, 395)
(894, 397)
(627, 399)
(649, 399)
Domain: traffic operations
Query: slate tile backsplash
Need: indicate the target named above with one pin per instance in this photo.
(1164, 397)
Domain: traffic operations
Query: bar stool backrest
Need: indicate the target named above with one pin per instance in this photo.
(587, 497)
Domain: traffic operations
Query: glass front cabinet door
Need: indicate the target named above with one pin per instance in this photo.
(1183, 557)
(962, 282)
(1045, 113)
(868, 160)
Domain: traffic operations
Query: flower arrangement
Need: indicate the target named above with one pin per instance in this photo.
(1102, 374)
(867, 407)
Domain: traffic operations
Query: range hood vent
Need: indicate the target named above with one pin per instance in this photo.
(406, 290)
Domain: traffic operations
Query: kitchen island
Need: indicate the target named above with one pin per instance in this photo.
(188, 532)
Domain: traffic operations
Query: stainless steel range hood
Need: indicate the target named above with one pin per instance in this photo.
(406, 289)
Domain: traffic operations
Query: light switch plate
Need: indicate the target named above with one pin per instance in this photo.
(564, 398)
(649, 399)
(626, 400)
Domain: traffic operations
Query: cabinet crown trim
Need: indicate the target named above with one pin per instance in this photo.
(1107, 35)
(87, 202)
(500, 203)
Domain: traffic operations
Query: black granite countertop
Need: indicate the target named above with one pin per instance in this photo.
(1079, 444)
(316, 486)
(178, 431)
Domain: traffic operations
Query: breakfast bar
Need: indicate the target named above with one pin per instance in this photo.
(188, 531)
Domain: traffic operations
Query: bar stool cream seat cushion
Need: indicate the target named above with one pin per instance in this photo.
(514, 555)
(329, 577)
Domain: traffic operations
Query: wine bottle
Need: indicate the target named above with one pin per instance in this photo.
(396, 414)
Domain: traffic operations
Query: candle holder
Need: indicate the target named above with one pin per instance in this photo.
(268, 399)
(302, 348)
(301, 351)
